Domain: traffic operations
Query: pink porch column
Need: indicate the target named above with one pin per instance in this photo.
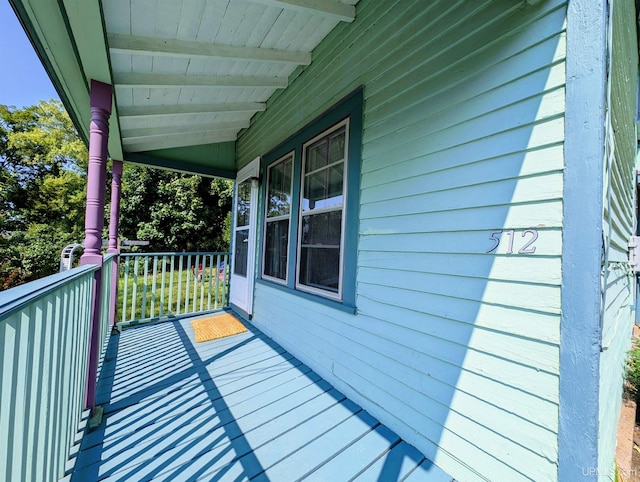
(114, 220)
(100, 101)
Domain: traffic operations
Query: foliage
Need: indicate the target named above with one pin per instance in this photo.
(175, 212)
(633, 372)
(42, 190)
(43, 167)
(41, 156)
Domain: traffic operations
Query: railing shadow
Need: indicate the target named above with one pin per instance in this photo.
(206, 413)
(91, 461)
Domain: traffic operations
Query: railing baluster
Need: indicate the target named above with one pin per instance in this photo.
(135, 289)
(153, 286)
(196, 275)
(125, 289)
(170, 307)
(181, 258)
(162, 287)
(225, 280)
(143, 309)
(217, 280)
(188, 285)
(210, 281)
(66, 378)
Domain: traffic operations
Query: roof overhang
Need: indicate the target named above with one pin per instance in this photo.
(188, 76)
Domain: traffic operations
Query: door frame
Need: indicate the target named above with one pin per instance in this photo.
(250, 171)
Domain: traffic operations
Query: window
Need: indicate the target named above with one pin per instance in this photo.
(309, 241)
(278, 211)
(242, 229)
(320, 240)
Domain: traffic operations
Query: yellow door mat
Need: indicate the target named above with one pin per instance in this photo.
(218, 326)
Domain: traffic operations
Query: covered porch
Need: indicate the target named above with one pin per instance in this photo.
(167, 407)
(236, 408)
(407, 179)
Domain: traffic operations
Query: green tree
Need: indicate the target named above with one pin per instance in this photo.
(41, 156)
(42, 190)
(175, 212)
(43, 166)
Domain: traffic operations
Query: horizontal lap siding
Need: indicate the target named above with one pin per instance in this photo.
(618, 226)
(454, 348)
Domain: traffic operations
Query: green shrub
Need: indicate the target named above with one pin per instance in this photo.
(633, 372)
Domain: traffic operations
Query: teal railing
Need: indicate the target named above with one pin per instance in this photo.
(159, 285)
(106, 299)
(44, 341)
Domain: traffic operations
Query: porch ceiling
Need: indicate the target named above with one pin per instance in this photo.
(188, 75)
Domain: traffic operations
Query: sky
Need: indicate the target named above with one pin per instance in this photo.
(23, 80)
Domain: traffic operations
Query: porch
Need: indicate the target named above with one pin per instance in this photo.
(236, 408)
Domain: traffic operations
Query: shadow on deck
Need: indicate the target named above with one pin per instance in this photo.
(238, 408)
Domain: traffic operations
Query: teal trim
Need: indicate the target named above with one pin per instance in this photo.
(15, 298)
(106, 298)
(176, 165)
(76, 53)
(353, 200)
(239, 311)
(580, 330)
(352, 107)
(340, 305)
(45, 329)
(34, 38)
(178, 253)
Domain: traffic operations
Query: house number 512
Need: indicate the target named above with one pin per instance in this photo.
(530, 235)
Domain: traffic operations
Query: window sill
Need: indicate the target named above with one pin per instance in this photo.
(339, 305)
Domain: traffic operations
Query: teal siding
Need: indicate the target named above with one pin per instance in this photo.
(618, 218)
(455, 349)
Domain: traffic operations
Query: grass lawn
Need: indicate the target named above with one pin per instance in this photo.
(170, 293)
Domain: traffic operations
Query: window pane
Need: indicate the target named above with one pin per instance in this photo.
(316, 156)
(320, 268)
(279, 189)
(322, 229)
(336, 148)
(323, 189)
(242, 209)
(334, 186)
(241, 252)
(275, 249)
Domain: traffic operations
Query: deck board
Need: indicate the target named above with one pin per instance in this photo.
(238, 408)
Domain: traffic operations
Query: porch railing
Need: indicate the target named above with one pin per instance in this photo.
(44, 341)
(159, 285)
(107, 296)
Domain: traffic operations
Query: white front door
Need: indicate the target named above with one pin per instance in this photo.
(244, 237)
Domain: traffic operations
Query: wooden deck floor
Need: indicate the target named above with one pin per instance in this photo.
(238, 408)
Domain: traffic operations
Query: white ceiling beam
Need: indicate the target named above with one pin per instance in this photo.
(180, 109)
(184, 129)
(134, 44)
(151, 143)
(330, 8)
(150, 81)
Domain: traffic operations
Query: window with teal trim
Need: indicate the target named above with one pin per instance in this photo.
(320, 230)
(311, 192)
(278, 211)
